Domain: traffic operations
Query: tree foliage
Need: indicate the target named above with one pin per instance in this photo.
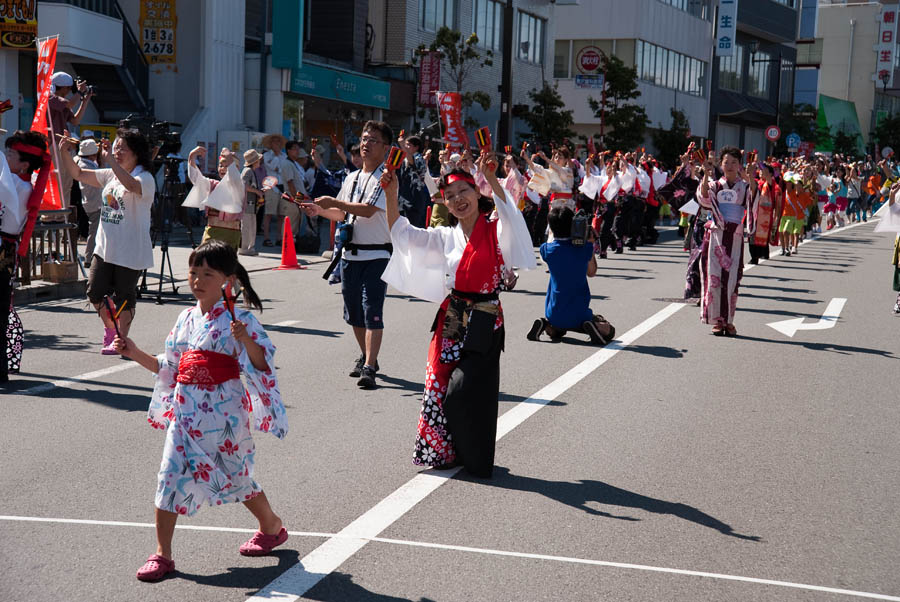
(624, 122)
(548, 119)
(459, 58)
(887, 132)
(673, 142)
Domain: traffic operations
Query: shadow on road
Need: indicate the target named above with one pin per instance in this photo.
(297, 330)
(842, 349)
(60, 342)
(779, 288)
(582, 493)
(339, 587)
(254, 578)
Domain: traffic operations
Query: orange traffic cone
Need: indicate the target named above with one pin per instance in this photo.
(288, 253)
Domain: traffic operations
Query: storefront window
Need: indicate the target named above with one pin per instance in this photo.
(292, 117)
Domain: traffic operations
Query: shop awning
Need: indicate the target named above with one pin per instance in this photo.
(839, 116)
(341, 84)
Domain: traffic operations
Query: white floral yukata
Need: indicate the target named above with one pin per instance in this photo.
(208, 455)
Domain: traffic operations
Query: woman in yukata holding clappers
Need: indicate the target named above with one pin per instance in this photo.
(461, 268)
(726, 198)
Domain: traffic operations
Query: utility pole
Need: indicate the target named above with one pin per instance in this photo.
(504, 134)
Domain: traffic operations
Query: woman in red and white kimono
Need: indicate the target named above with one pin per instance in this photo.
(761, 223)
(723, 265)
(461, 267)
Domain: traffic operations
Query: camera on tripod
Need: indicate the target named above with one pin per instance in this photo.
(159, 133)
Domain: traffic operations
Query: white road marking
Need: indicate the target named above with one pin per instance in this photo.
(40, 389)
(487, 551)
(828, 320)
(43, 388)
(325, 559)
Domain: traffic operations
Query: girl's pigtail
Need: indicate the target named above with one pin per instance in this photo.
(251, 299)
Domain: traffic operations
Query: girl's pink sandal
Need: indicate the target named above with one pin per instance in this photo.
(155, 568)
(261, 544)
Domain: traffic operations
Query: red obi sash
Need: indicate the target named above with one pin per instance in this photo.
(197, 367)
(560, 196)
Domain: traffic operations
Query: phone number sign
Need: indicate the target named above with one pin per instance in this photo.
(157, 23)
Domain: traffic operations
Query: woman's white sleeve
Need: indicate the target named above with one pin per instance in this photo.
(513, 235)
(418, 264)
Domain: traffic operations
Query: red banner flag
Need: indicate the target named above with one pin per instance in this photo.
(45, 66)
(450, 105)
(429, 78)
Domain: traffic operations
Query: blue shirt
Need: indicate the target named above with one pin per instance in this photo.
(568, 294)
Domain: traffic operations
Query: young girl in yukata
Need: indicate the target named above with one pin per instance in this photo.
(201, 402)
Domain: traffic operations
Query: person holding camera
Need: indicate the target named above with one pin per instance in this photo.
(123, 248)
(570, 258)
(88, 158)
(366, 247)
(60, 116)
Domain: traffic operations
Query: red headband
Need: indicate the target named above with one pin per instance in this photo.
(459, 177)
(28, 149)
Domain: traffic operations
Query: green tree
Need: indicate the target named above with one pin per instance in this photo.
(459, 58)
(548, 119)
(673, 142)
(624, 122)
(887, 132)
(802, 121)
(846, 144)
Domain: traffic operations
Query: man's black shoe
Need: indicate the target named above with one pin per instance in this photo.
(360, 362)
(367, 378)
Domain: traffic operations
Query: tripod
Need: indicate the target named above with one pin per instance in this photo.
(161, 225)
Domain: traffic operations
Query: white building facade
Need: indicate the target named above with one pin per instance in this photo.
(670, 43)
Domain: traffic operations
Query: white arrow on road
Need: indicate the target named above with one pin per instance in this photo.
(828, 320)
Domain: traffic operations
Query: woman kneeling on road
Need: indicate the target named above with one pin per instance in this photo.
(461, 267)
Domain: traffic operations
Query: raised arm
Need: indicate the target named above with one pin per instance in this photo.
(86, 176)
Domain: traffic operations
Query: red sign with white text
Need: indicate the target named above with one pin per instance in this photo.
(450, 105)
(46, 63)
(588, 60)
(429, 78)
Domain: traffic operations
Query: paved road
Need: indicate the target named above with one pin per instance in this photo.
(672, 465)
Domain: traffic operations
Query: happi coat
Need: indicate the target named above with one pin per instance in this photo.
(208, 454)
(458, 420)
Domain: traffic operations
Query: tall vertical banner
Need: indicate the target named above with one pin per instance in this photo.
(429, 78)
(726, 27)
(885, 46)
(46, 63)
(450, 106)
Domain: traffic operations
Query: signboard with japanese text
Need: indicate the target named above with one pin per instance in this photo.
(885, 46)
(429, 78)
(157, 23)
(726, 27)
(589, 81)
(18, 24)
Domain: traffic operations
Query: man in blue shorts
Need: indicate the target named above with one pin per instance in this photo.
(365, 255)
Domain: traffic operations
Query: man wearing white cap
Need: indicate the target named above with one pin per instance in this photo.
(61, 116)
(88, 158)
